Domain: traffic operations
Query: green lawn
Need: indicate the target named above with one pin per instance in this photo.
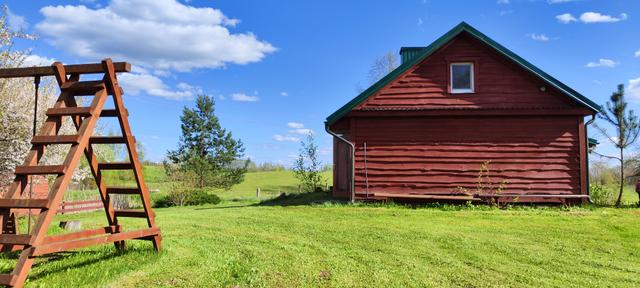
(339, 245)
(310, 241)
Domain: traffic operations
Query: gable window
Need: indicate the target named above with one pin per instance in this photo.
(461, 77)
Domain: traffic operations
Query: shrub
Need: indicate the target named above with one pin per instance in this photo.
(601, 195)
(201, 197)
(187, 198)
(162, 202)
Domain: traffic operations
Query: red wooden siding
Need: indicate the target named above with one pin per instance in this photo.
(438, 155)
(499, 84)
(341, 169)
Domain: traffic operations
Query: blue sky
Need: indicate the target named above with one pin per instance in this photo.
(278, 68)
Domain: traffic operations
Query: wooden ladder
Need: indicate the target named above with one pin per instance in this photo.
(37, 243)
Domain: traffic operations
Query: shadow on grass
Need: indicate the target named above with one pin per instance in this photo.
(224, 207)
(300, 199)
(55, 263)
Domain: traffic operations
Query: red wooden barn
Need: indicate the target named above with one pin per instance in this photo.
(425, 130)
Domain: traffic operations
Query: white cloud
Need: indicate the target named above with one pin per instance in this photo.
(158, 34)
(298, 128)
(241, 97)
(301, 131)
(503, 1)
(282, 138)
(595, 17)
(559, 1)
(539, 37)
(591, 17)
(134, 83)
(16, 22)
(420, 22)
(637, 54)
(295, 125)
(602, 62)
(566, 18)
(285, 94)
(37, 60)
(633, 89)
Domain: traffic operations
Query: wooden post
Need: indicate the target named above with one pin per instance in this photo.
(258, 192)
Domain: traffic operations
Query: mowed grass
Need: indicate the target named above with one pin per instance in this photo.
(343, 245)
(310, 241)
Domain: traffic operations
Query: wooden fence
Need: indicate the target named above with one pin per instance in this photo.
(69, 207)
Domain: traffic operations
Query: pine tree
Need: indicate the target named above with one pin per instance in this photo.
(206, 149)
(626, 127)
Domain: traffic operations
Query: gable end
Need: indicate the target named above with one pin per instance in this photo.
(415, 55)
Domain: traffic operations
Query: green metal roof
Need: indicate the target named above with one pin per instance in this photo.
(426, 51)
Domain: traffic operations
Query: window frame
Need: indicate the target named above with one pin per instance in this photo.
(471, 74)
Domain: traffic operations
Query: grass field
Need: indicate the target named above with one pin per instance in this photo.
(271, 184)
(310, 241)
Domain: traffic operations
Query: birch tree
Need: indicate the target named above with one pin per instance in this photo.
(383, 66)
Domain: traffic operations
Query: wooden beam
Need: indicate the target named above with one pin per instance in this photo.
(21, 239)
(8, 280)
(434, 197)
(40, 170)
(75, 244)
(24, 203)
(565, 196)
(80, 234)
(93, 68)
(107, 140)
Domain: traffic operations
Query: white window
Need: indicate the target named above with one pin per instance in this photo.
(461, 77)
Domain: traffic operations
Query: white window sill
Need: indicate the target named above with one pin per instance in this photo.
(460, 91)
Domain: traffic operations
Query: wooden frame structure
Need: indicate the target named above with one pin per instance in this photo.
(37, 243)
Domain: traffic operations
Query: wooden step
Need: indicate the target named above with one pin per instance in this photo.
(107, 140)
(57, 139)
(83, 87)
(40, 170)
(123, 190)
(15, 239)
(112, 113)
(131, 213)
(8, 280)
(69, 111)
(24, 203)
(115, 166)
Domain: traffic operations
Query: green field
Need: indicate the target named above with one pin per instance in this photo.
(271, 184)
(310, 241)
